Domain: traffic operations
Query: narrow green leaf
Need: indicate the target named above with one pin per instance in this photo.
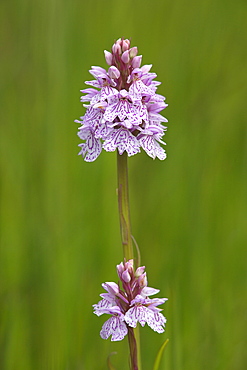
(109, 364)
(138, 262)
(159, 355)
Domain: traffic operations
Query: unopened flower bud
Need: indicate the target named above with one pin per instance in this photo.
(142, 281)
(129, 265)
(113, 72)
(125, 57)
(108, 57)
(139, 271)
(133, 51)
(120, 269)
(126, 276)
(136, 61)
(116, 49)
(125, 45)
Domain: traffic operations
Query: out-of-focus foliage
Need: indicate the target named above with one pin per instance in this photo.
(59, 222)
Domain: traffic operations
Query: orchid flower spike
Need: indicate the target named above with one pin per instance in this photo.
(123, 109)
(129, 305)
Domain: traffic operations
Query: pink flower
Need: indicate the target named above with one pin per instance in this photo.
(123, 107)
(130, 304)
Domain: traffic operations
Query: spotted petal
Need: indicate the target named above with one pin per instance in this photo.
(139, 89)
(136, 314)
(151, 147)
(115, 327)
(99, 308)
(156, 321)
(91, 149)
(123, 140)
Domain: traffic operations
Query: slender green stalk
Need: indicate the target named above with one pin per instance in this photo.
(123, 205)
(125, 229)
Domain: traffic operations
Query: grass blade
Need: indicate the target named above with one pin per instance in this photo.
(159, 355)
(109, 364)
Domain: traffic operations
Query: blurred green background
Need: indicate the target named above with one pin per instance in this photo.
(59, 223)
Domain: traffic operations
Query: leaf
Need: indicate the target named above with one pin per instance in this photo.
(159, 355)
(109, 364)
(138, 263)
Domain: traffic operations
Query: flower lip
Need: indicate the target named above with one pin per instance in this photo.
(114, 327)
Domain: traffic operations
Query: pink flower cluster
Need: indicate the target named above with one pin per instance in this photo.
(122, 110)
(129, 305)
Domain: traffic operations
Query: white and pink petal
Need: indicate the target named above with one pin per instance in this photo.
(122, 139)
(102, 130)
(156, 321)
(147, 291)
(134, 315)
(108, 92)
(151, 147)
(91, 149)
(138, 89)
(101, 306)
(114, 327)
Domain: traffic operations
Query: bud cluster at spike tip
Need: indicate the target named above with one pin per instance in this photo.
(130, 304)
(123, 109)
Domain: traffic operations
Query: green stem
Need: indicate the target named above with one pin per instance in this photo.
(125, 229)
(123, 205)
